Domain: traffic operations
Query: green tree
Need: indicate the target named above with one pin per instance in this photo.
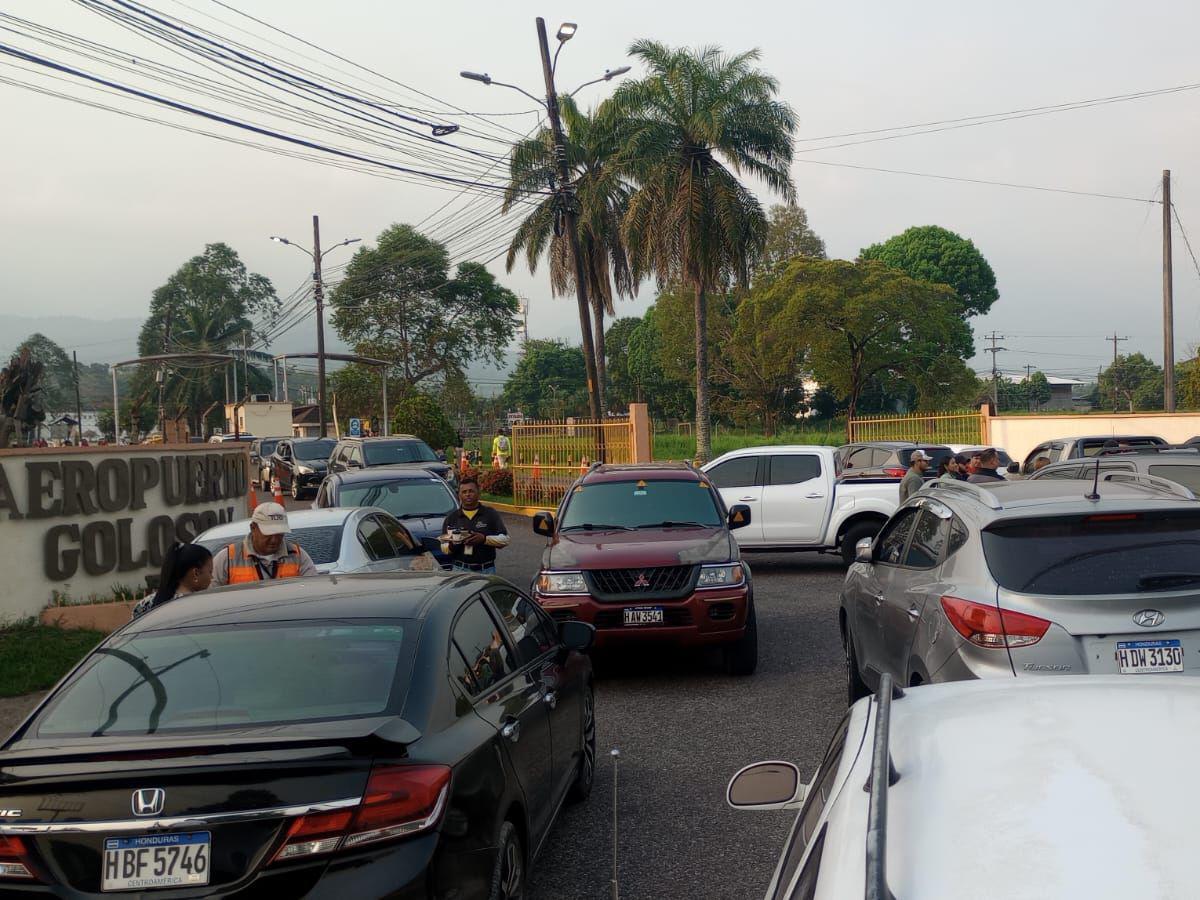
(549, 381)
(400, 302)
(1134, 382)
(1038, 390)
(762, 360)
(667, 396)
(622, 390)
(696, 122)
(1187, 383)
(58, 376)
(420, 415)
(359, 391)
(788, 235)
(939, 256)
(600, 196)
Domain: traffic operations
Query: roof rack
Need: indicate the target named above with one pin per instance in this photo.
(1145, 448)
(883, 776)
(975, 491)
(1153, 482)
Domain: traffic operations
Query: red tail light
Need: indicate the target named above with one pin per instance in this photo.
(398, 801)
(14, 860)
(895, 472)
(987, 625)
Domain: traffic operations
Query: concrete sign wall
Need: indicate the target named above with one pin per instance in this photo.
(1020, 434)
(78, 521)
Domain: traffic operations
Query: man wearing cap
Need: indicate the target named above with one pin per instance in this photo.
(263, 555)
(914, 478)
(989, 467)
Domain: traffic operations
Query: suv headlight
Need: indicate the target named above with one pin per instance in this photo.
(721, 576)
(304, 470)
(562, 583)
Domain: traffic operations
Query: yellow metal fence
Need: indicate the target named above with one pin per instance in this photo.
(935, 428)
(549, 455)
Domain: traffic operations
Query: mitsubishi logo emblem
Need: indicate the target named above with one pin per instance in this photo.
(1148, 618)
(641, 581)
(148, 801)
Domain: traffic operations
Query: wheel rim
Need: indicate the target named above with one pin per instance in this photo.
(589, 738)
(510, 873)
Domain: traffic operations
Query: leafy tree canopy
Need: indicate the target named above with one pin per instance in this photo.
(788, 236)
(939, 256)
(548, 382)
(1135, 381)
(420, 415)
(58, 377)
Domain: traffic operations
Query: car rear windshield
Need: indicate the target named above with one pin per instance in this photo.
(403, 497)
(383, 453)
(207, 678)
(314, 449)
(323, 544)
(1106, 553)
(266, 448)
(641, 503)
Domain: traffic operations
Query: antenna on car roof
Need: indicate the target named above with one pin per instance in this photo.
(1095, 494)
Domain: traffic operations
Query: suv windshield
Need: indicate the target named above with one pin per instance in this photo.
(403, 497)
(319, 449)
(383, 453)
(641, 503)
(232, 676)
(266, 448)
(1118, 553)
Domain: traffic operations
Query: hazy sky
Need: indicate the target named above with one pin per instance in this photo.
(99, 209)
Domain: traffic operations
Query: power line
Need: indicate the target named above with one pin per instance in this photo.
(1186, 242)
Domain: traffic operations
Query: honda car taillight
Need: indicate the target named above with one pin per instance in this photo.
(398, 801)
(987, 625)
(14, 862)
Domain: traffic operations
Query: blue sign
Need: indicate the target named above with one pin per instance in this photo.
(356, 428)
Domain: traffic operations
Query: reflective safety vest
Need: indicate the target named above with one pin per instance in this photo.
(245, 570)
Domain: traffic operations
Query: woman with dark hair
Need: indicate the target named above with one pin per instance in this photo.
(187, 568)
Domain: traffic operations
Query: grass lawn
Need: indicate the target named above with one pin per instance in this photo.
(33, 657)
(679, 446)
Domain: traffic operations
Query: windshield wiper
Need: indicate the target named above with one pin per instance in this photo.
(421, 515)
(588, 526)
(670, 524)
(1167, 580)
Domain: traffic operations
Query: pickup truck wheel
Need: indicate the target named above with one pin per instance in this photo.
(856, 688)
(853, 535)
(741, 657)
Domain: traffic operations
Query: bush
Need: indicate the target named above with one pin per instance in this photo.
(498, 482)
(420, 415)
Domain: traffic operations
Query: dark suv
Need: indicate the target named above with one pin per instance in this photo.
(645, 553)
(300, 465)
(398, 450)
(1062, 449)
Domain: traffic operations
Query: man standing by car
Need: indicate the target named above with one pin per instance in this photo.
(914, 478)
(473, 532)
(989, 466)
(263, 555)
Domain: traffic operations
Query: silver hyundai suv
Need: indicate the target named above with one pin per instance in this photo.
(1027, 578)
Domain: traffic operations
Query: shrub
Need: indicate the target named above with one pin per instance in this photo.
(420, 415)
(497, 481)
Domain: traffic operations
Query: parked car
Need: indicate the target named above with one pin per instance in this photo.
(368, 737)
(645, 553)
(1025, 578)
(972, 449)
(886, 459)
(227, 438)
(1032, 772)
(397, 450)
(340, 541)
(416, 497)
(301, 464)
(260, 452)
(799, 499)
(1061, 449)
(1180, 464)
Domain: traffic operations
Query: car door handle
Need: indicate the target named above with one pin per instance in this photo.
(551, 699)
(747, 499)
(813, 496)
(511, 729)
(913, 612)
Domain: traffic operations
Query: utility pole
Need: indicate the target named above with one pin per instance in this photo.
(319, 294)
(567, 205)
(993, 337)
(1116, 339)
(162, 377)
(78, 403)
(1168, 300)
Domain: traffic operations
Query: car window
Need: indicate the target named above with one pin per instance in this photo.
(1064, 472)
(531, 630)
(806, 884)
(375, 540)
(460, 673)
(894, 535)
(404, 497)
(641, 503)
(794, 468)
(958, 536)
(740, 472)
(929, 540)
(859, 458)
(322, 543)
(1188, 476)
(404, 542)
(382, 453)
(478, 638)
(318, 449)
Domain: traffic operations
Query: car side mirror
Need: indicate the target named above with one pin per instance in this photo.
(543, 523)
(739, 515)
(576, 635)
(863, 550)
(767, 785)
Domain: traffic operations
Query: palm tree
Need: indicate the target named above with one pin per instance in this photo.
(593, 140)
(697, 121)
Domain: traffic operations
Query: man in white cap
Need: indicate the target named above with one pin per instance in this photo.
(914, 478)
(263, 555)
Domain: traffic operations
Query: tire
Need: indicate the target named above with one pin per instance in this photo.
(853, 535)
(508, 873)
(856, 688)
(741, 657)
(581, 787)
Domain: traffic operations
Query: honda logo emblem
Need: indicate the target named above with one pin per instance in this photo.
(1148, 618)
(641, 581)
(148, 801)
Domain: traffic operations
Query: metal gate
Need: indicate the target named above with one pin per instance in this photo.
(549, 455)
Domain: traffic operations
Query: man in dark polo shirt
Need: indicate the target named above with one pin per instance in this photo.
(472, 533)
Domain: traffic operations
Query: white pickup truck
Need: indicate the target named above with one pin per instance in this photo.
(799, 500)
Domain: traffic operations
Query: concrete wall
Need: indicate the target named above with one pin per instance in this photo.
(1020, 434)
(260, 419)
(79, 520)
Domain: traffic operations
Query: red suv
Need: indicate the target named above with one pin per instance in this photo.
(644, 553)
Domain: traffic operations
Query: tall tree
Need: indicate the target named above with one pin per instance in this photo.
(696, 122)
(788, 235)
(601, 196)
(667, 395)
(58, 376)
(400, 302)
(549, 381)
(939, 256)
(622, 390)
(1135, 381)
(1039, 390)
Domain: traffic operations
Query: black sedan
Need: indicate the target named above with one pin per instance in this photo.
(300, 464)
(404, 736)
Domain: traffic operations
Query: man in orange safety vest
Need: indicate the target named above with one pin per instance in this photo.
(263, 555)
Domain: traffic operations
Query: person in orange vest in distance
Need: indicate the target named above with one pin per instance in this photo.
(263, 555)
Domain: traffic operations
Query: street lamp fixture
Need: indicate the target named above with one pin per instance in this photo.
(610, 74)
(476, 76)
(566, 31)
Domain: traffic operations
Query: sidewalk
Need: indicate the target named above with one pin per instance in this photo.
(14, 709)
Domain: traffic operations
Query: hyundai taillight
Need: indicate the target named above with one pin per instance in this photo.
(398, 801)
(14, 860)
(895, 472)
(987, 625)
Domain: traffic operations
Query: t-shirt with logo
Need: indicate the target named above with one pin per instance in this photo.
(485, 521)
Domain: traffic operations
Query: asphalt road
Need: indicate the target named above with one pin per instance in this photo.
(683, 728)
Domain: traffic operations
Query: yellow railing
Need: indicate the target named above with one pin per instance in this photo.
(934, 428)
(549, 455)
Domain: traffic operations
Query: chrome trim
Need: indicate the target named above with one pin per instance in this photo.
(120, 825)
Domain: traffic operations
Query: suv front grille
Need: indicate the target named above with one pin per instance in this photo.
(651, 583)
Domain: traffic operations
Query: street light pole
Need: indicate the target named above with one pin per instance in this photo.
(319, 294)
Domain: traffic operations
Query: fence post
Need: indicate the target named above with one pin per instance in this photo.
(985, 423)
(639, 433)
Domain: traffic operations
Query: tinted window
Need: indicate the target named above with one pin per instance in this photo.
(404, 542)
(958, 536)
(1091, 448)
(794, 469)
(894, 535)
(318, 449)
(230, 677)
(375, 540)
(1094, 554)
(323, 544)
(460, 672)
(938, 455)
(928, 541)
(641, 503)
(1188, 476)
(1064, 472)
(861, 458)
(531, 630)
(806, 885)
(382, 453)
(478, 639)
(740, 472)
(267, 448)
(404, 497)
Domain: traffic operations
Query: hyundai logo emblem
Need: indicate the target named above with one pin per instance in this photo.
(1148, 618)
(148, 801)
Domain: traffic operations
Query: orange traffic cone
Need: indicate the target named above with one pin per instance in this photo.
(252, 499)
(276, 491)
(583, 465)
(537, 468)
